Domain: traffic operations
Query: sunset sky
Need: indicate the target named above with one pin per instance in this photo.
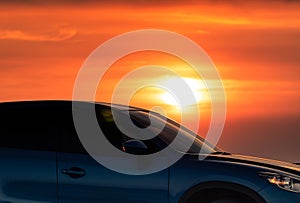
(254, 44)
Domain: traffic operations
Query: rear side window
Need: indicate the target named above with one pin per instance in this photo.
(68, 140)
(27, 131)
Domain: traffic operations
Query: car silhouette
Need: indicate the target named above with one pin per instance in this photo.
(43, 160)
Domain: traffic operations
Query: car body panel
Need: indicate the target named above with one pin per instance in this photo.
(275, 164)
(27, 176)
(104, 185)
(190, 172)
(235, 169)
(275, 195)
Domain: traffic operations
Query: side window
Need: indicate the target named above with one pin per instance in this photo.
(68, 139)
(117, 138)
(110, 129)
(31, 132)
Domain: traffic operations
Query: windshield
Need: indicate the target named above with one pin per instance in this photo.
(169, 132)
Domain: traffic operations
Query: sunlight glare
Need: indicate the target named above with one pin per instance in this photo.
(196, 86)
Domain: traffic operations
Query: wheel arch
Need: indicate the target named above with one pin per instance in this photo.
(221, 185)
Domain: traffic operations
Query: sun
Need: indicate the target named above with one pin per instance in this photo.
(196, 86)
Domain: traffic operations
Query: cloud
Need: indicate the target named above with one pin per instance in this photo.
(61, 35)
(140, 2)
(199, 31)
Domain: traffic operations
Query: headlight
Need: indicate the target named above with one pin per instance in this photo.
(283, 181)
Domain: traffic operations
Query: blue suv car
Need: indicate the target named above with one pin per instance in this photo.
(43, 160)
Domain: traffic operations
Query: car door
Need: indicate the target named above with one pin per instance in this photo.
(82, 179)
(27, 158)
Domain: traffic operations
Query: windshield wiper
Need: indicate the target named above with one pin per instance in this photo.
(220, 153)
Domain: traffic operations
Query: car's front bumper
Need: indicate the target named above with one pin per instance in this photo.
(273, 194)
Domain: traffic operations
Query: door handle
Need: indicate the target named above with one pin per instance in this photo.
(74, 172)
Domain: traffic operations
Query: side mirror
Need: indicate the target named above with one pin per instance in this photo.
(134, 146)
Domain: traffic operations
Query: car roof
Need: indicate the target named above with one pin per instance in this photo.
(50, 104)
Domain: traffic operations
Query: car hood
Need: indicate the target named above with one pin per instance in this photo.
(270, 163)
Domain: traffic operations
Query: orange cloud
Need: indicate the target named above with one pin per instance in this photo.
(61, 35)
(248, 41)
